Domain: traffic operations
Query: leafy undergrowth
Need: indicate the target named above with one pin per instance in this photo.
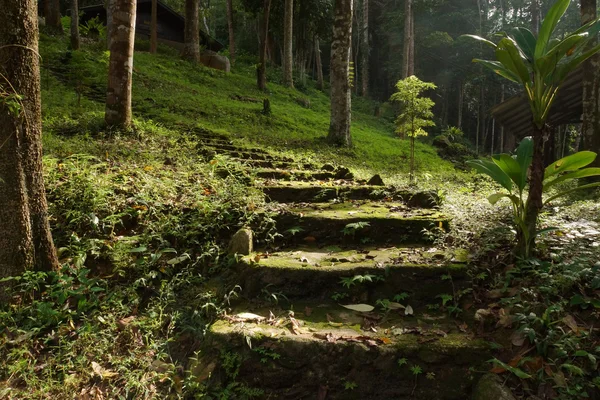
(171, 91)
(540, 315)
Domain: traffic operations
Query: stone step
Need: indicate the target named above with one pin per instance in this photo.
(295, 192)
(360, 222)
(422, 273)
(292, 175)
(229, 147)
(278, 164)
(349, 355)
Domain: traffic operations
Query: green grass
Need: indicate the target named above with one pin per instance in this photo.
(174, 92)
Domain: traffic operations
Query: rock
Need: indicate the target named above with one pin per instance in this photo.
(303, 102)
(213, 60)
(241, 242)
(490, 387)
(343, 173)
(376, 181)
(328, 167)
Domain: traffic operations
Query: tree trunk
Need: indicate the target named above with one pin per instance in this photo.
(52, 15)
(339, 128)
(461, 97)
(108, 7)
(364, 52)
(407, 68)
(318, 63)
(535, 16)
(154, 27)
(288, 79)
(590, 129)
(120, 67)
(262, 66)
(502, 126)
(526, 240)
(26, 241)
(191, 47)
(74, 25)
(231, 33)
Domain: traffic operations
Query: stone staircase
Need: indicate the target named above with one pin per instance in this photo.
(344, 243)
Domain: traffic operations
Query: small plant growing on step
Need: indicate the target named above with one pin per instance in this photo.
(352, 228)
(416, 112)
(350, 385)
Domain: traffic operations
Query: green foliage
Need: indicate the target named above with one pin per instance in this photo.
(541, 64)
(510, 172)
(93, 28)
(415, 114)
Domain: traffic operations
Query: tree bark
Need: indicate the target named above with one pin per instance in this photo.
(261, 72)
(74, 25)
(319, 64)
(154, 27)
(25, 242)
(52, 15)
(591, 89)
(229, 4)
(120, 67)
(288, 78)
(408, 68)
(365, 51)
(339, 128)
(108, 7)
(191, 47)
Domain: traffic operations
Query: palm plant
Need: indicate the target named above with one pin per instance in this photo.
(511, 173)
(540, 65)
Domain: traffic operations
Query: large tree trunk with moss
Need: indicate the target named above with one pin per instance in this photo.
(120, 67)
(154, 27)
(365, 50)
(534, 9)
(526, 240)
(261, 72)
(318, 64)
(52, 15)
(74, 25)
(288, 79)
(591, 89)
(26, 242)
(191, 47)
(339, 127)
(229, 4)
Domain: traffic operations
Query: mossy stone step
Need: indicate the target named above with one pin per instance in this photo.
(322, 273)
(360, 222)
(296, 360)
(293, 175)
(250, 155)
(296, 192)
(278, 164)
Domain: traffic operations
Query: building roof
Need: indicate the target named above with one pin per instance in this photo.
(165, 14)
(515, 114)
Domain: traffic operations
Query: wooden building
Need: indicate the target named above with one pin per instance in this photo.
(170, 24)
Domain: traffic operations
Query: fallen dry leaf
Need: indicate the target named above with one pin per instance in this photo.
(569, 320)
(517, 338)
(102, 372)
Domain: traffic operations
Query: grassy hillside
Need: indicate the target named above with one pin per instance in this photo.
(173, 92)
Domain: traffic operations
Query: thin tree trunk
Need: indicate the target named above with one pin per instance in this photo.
(108, 7)
(74, 25)
(461, 96)
(339, 127)
(535, 16)
(25, 242)
(191, 49)
(120, 67)
(502, 126)
(493, 136)
(411, 62)
(590, 129)
(288, 78)
(52, 15)
(406, 67)
(154, 27)
(318, 63)
(231, 32)
(262, 67)
(364, 52)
